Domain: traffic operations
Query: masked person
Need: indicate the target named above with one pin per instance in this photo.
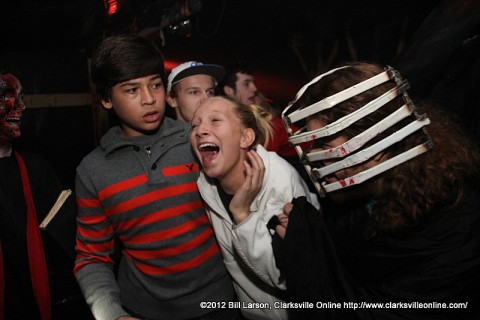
(36, 279)
(400, 233)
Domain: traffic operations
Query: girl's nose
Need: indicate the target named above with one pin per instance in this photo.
(202, 130)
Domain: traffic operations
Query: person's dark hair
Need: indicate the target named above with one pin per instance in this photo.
(409, 192)
(231, 74)
(123, 57)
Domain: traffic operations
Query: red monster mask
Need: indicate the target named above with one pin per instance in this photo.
(11, 107)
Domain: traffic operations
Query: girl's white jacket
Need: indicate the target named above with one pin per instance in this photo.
(247, 247)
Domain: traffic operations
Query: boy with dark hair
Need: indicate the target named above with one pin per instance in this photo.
(239, 83)
(139, 188)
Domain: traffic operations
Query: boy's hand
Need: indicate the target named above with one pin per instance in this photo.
(243, 198)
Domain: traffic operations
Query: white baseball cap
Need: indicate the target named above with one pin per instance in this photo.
(192, 68)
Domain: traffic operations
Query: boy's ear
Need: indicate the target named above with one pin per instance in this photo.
(228, 91)
(248, 137)
(107, 104)
(172, 102)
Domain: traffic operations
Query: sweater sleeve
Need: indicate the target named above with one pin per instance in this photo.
(99, 287)
(95, 248)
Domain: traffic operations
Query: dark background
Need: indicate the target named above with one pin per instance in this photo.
(47, 44)
(285, 41)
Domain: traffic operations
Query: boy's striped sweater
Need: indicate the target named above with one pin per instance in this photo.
(141, 192)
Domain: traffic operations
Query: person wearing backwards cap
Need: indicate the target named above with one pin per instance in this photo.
(188, 84)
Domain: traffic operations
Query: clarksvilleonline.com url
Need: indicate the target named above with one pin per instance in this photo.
(392, 305)
(333, 305)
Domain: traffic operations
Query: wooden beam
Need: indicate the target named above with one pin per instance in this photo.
(57, 100)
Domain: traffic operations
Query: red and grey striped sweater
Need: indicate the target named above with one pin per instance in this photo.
(141, 192)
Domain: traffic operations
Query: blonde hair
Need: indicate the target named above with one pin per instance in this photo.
(254, 117)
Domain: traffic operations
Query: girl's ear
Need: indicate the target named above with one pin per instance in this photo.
(248, 137)
(107, 104)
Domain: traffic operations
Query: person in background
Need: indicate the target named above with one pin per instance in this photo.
(244, 187)
(401, 216)
(239, 83)
(188, 84)
(36, 279)
(138, 189)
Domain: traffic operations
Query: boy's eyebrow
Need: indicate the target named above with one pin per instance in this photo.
(133, 82)
(129, 83)
(155, 77)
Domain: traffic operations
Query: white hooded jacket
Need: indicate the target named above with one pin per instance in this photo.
(247, 247)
